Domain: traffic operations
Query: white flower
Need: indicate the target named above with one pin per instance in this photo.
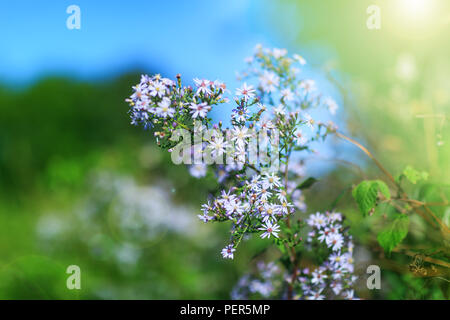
(199, 110)
(226, 197)
(269, 81)
(246, 91)
(271, 180)
(167, 82)
(324, 234)
(164, 110)
(317, 220)
(287, 95)
(279, 111)
(300, 59)
(198, 170)
(218, 146)
(300, 139)
(284, 208)
(316, 295)
(138, 93)
(233, 206)
(336, 259)
(240, 154)
(335, 241)
(240, 135)
(269, 229)
(308, 86)
(336, 287)
(240, 114)
(157, 89)
(332, 105)
(348, 261)
(254, 183)
(278, 53)
(227, 252)
(269, 212)
(266, 124)
(220, 85)
(282, 195)
(204, 217)
(334, 217)
(203, 86)
(143, 103)
(309, 121)
(318, 277)
(264, 194)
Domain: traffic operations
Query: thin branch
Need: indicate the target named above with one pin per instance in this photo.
(444, 228)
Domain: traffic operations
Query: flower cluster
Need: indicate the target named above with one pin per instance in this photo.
(335, 275)
(264, 283)
(255, 205)
(257, 158)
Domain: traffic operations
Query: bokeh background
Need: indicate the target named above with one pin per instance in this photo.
(79, 185)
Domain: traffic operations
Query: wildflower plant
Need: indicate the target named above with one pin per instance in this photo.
(255, 159)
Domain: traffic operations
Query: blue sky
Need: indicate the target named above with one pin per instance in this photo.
(198, 38)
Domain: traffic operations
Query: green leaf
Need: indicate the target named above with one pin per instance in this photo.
(413, 175)
(394, 233)
(307, 183)
(366, 194)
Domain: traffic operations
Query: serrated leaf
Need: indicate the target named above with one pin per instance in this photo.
(383, 188)
(390, 237)
(307, 183)
(366, 194)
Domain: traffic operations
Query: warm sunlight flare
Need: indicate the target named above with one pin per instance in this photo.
(416, 11)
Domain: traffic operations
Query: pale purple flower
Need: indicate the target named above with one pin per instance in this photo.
(247, 92)
(269, 230)
(227, 252)
(199, 110)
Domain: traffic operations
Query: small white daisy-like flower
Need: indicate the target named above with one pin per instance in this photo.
(278, 53)
(218, 146)
(271, 180)
(198, 170)
(299, 59)
(269, 212)
(316, 295)
(247, 92)
(269, 230)
(300, 138)
(203, 86)
(317, 220)
(199, 110)
(318, 277)
(204, 217)
(240, 135)
(228, 252)
(309, 121)
(287, 95)
(332, 105)
(158, 89)
(279, 111)
(284, 207)
(269, 81)
(335, 241)
(164, 110)
(309, 86)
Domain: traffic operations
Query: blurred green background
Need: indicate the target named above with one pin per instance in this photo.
(79, 185)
